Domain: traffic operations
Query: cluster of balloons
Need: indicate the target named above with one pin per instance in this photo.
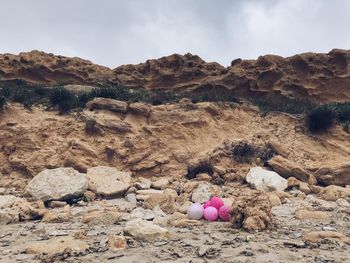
(210, 210)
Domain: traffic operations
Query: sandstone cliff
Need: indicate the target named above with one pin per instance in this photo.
(317, 77)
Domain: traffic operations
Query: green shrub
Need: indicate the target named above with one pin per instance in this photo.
(2, 102)
(159, 97)
(342, 111)
(320, 119)
(213, 95)
(64, 99)
(243, 152)
(287, 105)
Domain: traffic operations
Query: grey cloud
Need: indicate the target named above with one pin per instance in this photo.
(114, 32)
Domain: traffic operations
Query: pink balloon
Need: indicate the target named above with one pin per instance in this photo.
(216, 202)
(224, 213)
(211, 213)
(206, 204)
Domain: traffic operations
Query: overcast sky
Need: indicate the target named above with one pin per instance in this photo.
(115, 32)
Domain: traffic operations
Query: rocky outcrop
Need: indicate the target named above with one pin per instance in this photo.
(317, 77)
(57, 184)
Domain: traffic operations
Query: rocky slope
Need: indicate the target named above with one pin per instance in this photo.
(317, 77)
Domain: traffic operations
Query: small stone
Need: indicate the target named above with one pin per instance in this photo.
(143, 183)
(202, 193)
(144, 230)
(160, 184)
(57, 245)
(312, 215)
(117, 242)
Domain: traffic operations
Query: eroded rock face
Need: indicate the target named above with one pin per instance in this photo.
(252, 211)
(57, 184)
(108, 181)
(265, 180)
(144, 230)
(304, 75)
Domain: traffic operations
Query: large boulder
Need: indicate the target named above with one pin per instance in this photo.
(144, 230)
(287, 168)
(266, 181)
(108, 181)
(335, 175)
(57, 184)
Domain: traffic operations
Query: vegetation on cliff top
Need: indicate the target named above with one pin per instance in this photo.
(319, 118)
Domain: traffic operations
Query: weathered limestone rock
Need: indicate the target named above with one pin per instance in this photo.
(202, 193)
(107, 104)
(252, 211)
(57, 245)
(14, 209)
(317, 236)
(139, 109)
(166, 202)
(144, 230)
(303, 214)
(100, 217)
(334, 192)
(108, 181)
(160, 184)
(57, 184)
(58, 215)
(287, 169)
(266, 181)
(336, 175)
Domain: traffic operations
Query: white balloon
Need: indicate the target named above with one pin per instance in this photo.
(195, 211)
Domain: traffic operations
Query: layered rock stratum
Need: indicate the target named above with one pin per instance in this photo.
(113, 180)
(314, 76)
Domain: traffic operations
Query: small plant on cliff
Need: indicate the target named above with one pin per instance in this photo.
(64, 99)
(320, 119)
(243, 152)
(2, 102)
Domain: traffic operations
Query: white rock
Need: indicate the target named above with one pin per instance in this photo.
(7, 200)
(160, 184)
(202, 193)
(143, 183)
(57, 184)
(265, 180)
(108, 181)
(141, 213)
(8, 216)
(144, 230)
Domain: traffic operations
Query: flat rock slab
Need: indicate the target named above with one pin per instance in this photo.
(57, 245)
(57, 184)
(144, 230)
(108, 181)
